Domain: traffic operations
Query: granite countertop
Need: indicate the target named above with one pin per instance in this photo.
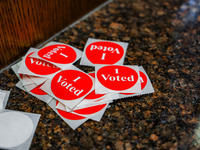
(164, 37)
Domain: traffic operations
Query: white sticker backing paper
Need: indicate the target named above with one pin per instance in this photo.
(37, 92)
(58, 54)
(17, 129)
(69, 86)
(71, 119)
(117, 79)
(103, 52)
(146, 85)
(36, 67)
(4, 95)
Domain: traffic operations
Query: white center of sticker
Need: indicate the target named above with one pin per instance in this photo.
(15, 129)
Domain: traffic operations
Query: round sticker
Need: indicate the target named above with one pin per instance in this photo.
(38, 91)
(92, 95)
(69, 115)
(104, 52)
(117, 78)
(143, 81)
(83, 111)
(40, 67)
(92, 74)
(58, 53)
(71, 84)
(15, 129)
(90, 110)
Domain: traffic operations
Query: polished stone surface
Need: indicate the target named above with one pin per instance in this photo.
(164, 37)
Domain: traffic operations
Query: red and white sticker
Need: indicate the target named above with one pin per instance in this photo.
(93, 96)
(143, 81)
(58, 54)
(15, 68)
(92, 111)
(76, 118)
(29, 87)
(91, 99)
(103, 52)
(68, 115)
(37, 80)
(84, 111)
(36, 92)
(89, 103)
(117, 79)
(24, 79)
(27, 79)
(146, 85)
(37, 67)
(40, 67)
(69, 86)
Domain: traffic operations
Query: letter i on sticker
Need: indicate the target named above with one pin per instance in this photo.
(77, 79)
(103, 56)
(116, 71)
(63, 55)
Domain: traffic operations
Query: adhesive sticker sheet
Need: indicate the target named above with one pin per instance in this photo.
(69, 86)
(117, 79)
(26, 80)
(36, 67)
(103, 52)
(58, 54)
(71, 119)
(17, 129)
(75, 118)
(4, 95)
(37, 92)
(146, 85)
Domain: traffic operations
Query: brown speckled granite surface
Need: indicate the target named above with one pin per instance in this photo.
(164, 37)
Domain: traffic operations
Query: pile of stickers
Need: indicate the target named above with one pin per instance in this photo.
(49, 74)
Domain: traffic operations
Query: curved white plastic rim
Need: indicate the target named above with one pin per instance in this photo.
(15, 129)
